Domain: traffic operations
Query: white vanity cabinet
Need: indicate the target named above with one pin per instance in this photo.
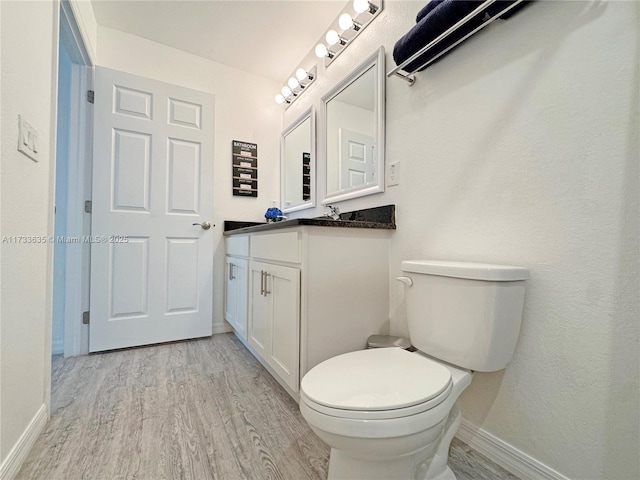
(236, 284)
(274, 302)
(274, 318)
(236, 294)
(313, 293)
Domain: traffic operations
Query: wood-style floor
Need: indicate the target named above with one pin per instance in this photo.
(201, 409)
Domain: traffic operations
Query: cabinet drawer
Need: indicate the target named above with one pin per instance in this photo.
(281, 247)
(238, 245)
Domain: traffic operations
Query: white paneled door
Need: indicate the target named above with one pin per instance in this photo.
(151, 254)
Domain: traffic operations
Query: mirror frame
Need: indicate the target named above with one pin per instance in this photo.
(311, 114)
(376, 59)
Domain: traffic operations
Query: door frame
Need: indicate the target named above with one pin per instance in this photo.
(77, 262)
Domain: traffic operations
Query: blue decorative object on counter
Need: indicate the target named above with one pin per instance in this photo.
(273, 214)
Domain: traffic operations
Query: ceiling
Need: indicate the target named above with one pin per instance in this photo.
(264, 37)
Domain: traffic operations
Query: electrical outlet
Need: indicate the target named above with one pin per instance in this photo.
(394, 174)
(274, 203)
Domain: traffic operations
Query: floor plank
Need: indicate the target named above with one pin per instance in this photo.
(201, 409)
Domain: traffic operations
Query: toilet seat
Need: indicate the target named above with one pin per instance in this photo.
(377, 414)
(376, 384)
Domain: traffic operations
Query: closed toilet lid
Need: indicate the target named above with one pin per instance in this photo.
(375, 379)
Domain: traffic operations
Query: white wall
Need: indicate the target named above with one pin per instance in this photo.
(245, 110)
(521, 147)
(29, 52)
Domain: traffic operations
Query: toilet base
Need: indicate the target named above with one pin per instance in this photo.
(446, 475)
(344, 467)
(428, 463)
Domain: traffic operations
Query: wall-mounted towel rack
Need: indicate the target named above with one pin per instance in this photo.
(409, 76)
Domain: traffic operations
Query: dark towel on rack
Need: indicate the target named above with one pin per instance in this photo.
(492, 10)
(431, 4)
(500, 5)
(438, 20)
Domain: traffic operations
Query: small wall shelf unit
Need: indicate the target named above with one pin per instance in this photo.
(409, 76)
(245, 168)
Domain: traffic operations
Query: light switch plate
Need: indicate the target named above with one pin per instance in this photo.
(27, 139)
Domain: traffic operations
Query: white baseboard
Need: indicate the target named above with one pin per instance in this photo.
(11, 465)
(505, 455)
(224, 328)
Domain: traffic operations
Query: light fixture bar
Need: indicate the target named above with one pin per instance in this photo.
(298, 82)
(352, 25)
(352, 21)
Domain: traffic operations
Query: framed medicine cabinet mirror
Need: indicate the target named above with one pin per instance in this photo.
(353, 123)
(297, 164)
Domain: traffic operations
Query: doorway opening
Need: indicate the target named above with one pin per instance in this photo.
(72, 188)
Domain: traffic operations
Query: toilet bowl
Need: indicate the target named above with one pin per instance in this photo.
(391, 414)
(384, 412)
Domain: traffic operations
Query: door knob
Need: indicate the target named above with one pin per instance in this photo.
(204, 225)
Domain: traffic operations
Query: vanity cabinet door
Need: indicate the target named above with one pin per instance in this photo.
(283, 288)
(259, 330)
(236, 296)
(275, 319)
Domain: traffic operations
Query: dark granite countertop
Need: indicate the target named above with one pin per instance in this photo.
(234, 225)
(374, 218)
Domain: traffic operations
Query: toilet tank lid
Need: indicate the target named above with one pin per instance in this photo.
(473, 271)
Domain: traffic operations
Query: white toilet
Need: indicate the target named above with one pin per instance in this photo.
(388, 413)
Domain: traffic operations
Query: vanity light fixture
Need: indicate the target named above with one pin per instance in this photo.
(332, 38)
(296, 85)
(353, 19)
(361, 6)
(287, 92)
(322, 51)
(303, 76)
(293, 83)
(347, 22)
(280, 99)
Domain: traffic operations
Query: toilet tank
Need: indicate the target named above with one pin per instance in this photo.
(467, 314)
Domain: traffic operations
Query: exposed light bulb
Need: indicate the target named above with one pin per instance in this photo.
(293, 83)
(321, 50)
(301, 74)
(332, 37)
(345, 21)
(280, 99)
(360, 6)
(286, 91)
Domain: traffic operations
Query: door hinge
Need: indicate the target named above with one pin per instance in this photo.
(85, 318)
(91, 96)
(87, 206)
